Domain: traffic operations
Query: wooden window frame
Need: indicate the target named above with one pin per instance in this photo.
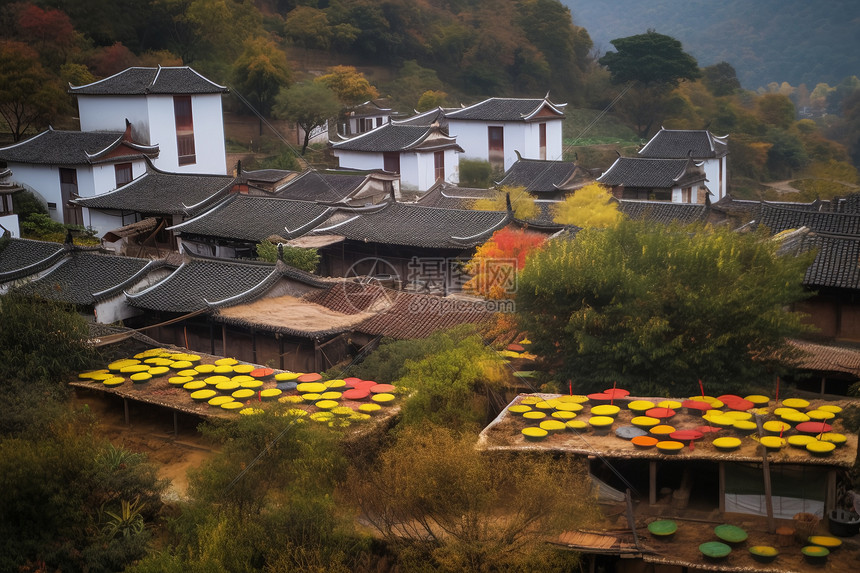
(439, 165)
(184, 118)
(120, 171)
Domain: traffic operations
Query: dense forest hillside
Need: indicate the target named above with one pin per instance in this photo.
(765, 40)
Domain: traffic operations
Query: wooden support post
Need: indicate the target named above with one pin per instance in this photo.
(722, 486)
(211, 337)
(125, 407)
(830, 493)
(823, 384)
(631, 522)
(175, 424)
(652, 483)
(281, 351)
(223, 340)
(768, 496)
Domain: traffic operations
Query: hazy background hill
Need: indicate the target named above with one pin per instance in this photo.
(794, 41)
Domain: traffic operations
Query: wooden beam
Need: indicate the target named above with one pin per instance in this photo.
(652, 482)
(823, 384)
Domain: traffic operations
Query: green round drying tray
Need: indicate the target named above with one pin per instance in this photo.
(662, 527)
(715, 549)
(730, 533)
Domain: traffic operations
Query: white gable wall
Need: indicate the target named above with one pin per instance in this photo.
(209, 144)
(712, 172)
(524, 137)
(108, 113)
(361, 160)
(44, 180)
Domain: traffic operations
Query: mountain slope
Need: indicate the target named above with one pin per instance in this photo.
(765, 40)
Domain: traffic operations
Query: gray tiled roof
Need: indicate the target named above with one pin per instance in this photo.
(502, 109)
(247, 218)
(322, 186)
(849, 204)
(142, 81)
(53, 147)
(447, 196)
(663, 212)
(418, 226)
(82, 274)
(426, 117)
(539, 176)
(836, 264)
(392, 136)
(780, 218)
(162, 193)
(200, 280)
(22, 257)
(404, 315)
(649, 173)
(676, 144)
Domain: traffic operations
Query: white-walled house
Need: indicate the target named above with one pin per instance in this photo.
(496, 129)
(59, 166)
(701, 145)
(421, 154)
(172, 107)
(669, 180)
(365, 117)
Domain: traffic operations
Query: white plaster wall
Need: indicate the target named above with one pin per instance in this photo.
(114, 309)
(472, 137)
(10, 223)
(516, 140)
(108, 113)
(360, 160)
(44, 180)
(416, 171)
(102, 222)
(452, 166)
(712, 172)
(209, 143)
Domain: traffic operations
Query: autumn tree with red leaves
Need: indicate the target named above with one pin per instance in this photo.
(496, 263)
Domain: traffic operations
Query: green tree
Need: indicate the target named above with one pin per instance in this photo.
(260, 72)
(776, 110)
(451, 508)
(590, 206)
(431, 99)
(651, 65)
(309, 105)
(29, 96)
(60, 487)
(304, 259)
(657, 307)
(348, 84)
(449, 386)
(309, 28)
(721, 79)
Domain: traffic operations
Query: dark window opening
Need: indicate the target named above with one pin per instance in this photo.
(542, 131)
(439, 165)
(184, 130)
(391, 161)
(496, 138)
(72, 214)
(123, 174)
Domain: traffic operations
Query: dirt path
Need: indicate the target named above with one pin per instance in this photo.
(151, 432)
